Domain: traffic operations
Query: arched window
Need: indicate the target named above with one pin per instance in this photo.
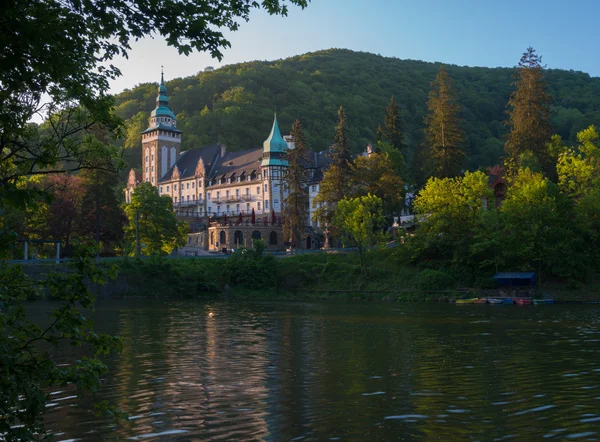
(256, 235)
(212, 238)
(238, 238)
(273, 238)
(222, 237)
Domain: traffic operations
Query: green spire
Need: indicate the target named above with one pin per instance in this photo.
(274, 147)
(162, 101)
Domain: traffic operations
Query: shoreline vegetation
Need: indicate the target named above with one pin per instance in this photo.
(323, 276)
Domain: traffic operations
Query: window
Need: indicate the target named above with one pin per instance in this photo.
(188, 198)
(175, 199)
(248, 207)
(227, 194)
(266, 204)
(258, 190)
(167, 188)
(193, 185)
(146, 158)
(218, 195)
(152, 157)
(193, 197)
(152, 168)
(237, 193)
(187, 185)
(266, 188)
(258, 205)
(239, 180)
(266, 173)
(275, 174)
(227, 208)
(248, 191)
(218, 210)
(152, 179)
(160, 189)
(174, 186)
(208, 196)
(314, 188)
(237, 208)
(146, 168)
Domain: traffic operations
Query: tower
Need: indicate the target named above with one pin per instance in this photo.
(274, 164)
(161, 142)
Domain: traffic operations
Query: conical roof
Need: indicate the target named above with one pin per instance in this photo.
(275, 142)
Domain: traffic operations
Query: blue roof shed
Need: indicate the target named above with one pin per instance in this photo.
(512, 279)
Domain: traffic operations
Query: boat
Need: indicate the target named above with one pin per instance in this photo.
(507, 301)
(481, 301)
(466, 301)
(543, 301)
(495, 301)
(523, 301)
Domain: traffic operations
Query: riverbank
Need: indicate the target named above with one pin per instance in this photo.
(317, 276)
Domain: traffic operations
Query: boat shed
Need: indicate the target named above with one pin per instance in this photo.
(515, 279)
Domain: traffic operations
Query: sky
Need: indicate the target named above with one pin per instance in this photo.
(464, 32)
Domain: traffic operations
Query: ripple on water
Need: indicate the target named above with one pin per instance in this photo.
(279, 371)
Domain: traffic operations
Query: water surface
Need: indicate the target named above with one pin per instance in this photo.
(197, 371)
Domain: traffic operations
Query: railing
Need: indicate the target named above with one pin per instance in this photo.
(186, 203)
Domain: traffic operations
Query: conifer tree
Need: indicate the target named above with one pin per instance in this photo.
(529, 113)
(336, 180)
(391, 131)
(444, 135)
(296, 179)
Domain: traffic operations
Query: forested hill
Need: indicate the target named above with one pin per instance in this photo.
(235, 104)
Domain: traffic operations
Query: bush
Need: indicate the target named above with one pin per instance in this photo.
(434, 280)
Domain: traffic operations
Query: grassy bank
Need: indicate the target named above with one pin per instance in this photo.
(314, 276)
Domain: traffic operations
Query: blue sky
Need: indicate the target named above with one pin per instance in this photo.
(464, 32)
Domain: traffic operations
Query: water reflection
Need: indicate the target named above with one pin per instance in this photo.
(293, 371)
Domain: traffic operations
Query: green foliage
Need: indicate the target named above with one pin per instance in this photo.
(251, 269)
(529, 113)
(312, 86)
(28, 369)
(360, 221)
(443, 128)
(296, 203)
(391, 132)
(152, 217)
(336, 181)
(431, 280)
(376, 175)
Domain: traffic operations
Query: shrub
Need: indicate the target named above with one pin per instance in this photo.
(429, 279)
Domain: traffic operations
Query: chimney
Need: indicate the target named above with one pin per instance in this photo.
(223, 150)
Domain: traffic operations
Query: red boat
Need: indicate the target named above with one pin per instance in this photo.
(523, 301)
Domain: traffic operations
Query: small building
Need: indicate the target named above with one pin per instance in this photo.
(516, 283)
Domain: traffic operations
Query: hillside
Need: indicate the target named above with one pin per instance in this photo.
(235, 104)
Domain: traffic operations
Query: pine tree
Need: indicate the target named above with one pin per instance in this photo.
(444, 135)
(336, 180)
(296, 183)
(529, 113)
(391, 132)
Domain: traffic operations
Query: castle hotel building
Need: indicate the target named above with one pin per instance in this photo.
(228, 198)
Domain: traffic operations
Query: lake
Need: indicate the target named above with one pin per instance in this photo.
(278, 371)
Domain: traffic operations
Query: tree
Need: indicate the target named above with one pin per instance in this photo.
(336, 179)
(529, 113)
(444, 135)
(101, 216)
(360, 220)
(295, 209)
(55, 65)
(449, 210)
(391, 132)
(375, 175)
(152, 217)
(537, 234)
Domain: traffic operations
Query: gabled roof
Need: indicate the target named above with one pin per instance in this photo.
(237, 163)
(188, 161)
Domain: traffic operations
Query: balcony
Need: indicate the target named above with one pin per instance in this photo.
(186, 203)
